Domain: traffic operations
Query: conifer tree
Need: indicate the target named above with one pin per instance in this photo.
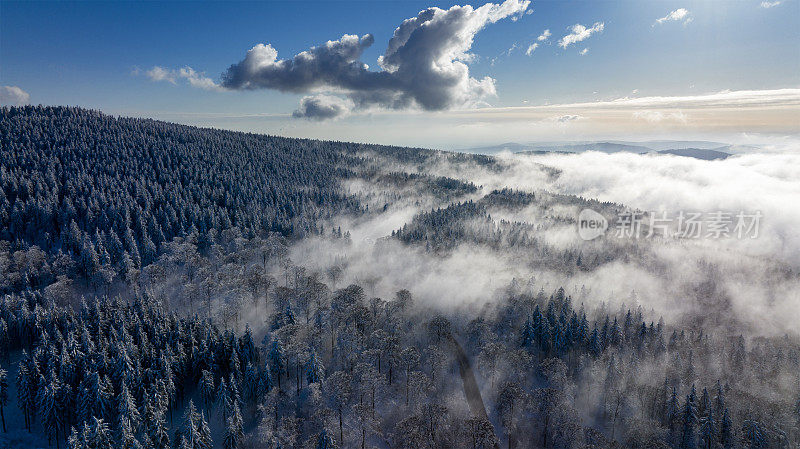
(688, 439)
(3, 396)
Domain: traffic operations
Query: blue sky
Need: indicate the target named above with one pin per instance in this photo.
(98, 54)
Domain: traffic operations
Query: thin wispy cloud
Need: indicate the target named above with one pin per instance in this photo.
(513, 47)
(544, 36)
(583, 52)
(658, 116)
(767, 5)
(191, 76)
(161, 74)
(13, 96)
(764, 111)
(741, 98)
(679, 15)
(580, 33)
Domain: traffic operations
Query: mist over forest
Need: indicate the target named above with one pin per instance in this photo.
(164, 285)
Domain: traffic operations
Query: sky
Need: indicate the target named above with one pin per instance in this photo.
(418, 73)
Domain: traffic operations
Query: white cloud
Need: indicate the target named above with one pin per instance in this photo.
(579, 33)
(13, 96)
(424, 65)
(161, 74)
(193, 77)
(727, 98)
(723, 116)
(198, 80)
(766, 5)
(323, 107)
(749, 271)
(583, 52)
(658, 116)
(679, 15)
(544, 36)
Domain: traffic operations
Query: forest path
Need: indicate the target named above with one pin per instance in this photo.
(471, 390)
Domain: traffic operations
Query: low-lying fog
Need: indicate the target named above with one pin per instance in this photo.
(746, 285)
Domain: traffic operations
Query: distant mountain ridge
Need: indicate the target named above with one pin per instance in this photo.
(698, 153)
(696, 149)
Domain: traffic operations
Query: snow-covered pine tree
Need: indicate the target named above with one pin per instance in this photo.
(688, 438)
(208, 391)
(46, 407)
(26, 396)
(315, 370)
(708, 431)
(127, 409)
(126, 439)
(99, 436)
(3, 396)
(155, 425)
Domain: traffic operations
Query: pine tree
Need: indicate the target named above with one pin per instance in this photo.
(194, 432)
(754, 434)
(3, 396)
(207, 388)
(719, 400)
(528, 334)
(105, 398)
(126, 438)
(688, 440)
(205, 441)
(708, 430)
(324, 441)
(234, 432)
(277, 360)
(126, 408)
(156, 425)
(77, 440)
(234, 368)
(264, 382)
(234, 395)
(797, 412)
(705, 403)
(315, 371)
(183, 443)
(673, 415)
(25, 393)
(46, 405)
(726, 431)
(188, 432)
(99, 437)
(84, 402)
(595, 346)
(90, 400)
(250, 382)
(224, 398)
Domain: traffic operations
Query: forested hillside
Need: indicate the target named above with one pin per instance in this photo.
(336, 368)
(94, 197)
(165, 286)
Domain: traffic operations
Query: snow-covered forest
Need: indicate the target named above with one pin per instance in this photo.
(171, 286)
